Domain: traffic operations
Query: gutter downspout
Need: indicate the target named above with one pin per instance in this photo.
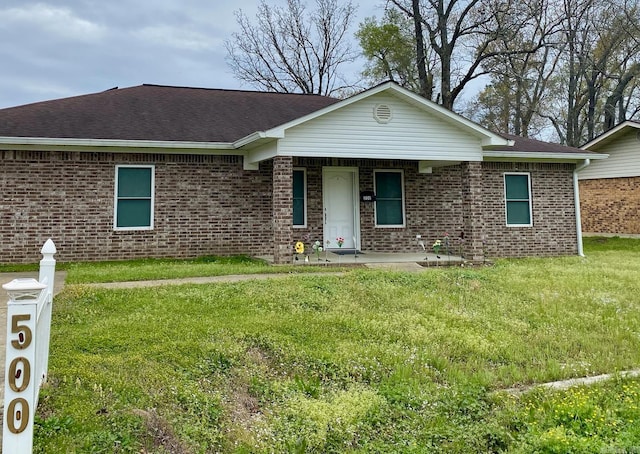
(576, 197)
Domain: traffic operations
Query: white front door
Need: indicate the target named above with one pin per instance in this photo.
(341, 207)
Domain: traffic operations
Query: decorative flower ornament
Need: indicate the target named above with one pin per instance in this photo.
(340, 241)
(436, 246)
(299, 247)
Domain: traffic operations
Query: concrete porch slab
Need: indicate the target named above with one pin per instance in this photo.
(367, 257)
(411, 267)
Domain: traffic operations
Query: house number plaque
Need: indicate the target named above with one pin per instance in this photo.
(19, 375)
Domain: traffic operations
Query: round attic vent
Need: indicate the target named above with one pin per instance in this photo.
(382, 113)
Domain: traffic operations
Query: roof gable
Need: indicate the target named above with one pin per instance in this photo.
(393, 89)
(611, 135)
(354, 131)
(623, 148)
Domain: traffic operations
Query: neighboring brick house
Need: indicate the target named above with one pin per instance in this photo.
(154, 171)
(610, 189)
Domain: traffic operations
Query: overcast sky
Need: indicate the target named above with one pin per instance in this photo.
(57, 48)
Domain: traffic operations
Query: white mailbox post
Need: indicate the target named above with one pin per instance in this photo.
(27, 355)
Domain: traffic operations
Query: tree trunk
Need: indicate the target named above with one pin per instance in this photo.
(426, 82)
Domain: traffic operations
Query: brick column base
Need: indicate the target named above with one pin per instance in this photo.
(472, 216)
(282, 216)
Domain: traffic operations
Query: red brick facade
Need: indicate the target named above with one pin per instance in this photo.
(554, 222)
(209, 205)
(610, 205)
(282, 208)
(465, 198)
(203, 205)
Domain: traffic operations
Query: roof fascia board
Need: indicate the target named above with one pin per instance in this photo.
(610, 133)
(65, 144)
(257, 136)
(537, 156)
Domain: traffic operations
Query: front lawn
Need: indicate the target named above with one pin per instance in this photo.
(154, 269)
(369, 361)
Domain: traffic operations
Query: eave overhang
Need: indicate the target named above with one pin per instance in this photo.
(116, 145)
(494, 155)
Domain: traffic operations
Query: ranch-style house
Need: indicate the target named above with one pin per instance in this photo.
(159, 171)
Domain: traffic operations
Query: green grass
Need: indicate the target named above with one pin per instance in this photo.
(368, 361)
(154, 269)
(18, 267)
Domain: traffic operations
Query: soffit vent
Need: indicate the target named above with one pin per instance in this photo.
(382, 113)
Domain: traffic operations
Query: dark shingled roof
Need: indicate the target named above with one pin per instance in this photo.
(531, 145)
(182, 114)
(153, 112)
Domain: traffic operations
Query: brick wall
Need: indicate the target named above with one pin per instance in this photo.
(554, 227)
(282, 208)
(472, 210)
(610, 205)
(203, 205)
(210, 205)
(434, 205)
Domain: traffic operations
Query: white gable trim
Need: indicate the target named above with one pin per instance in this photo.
(610, 134)
(487, 137)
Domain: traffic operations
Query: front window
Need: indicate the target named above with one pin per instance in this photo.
(134, 198)
(517, 189)
(388, 186)
(299, 198)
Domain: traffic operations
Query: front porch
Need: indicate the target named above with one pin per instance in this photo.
(381, 207)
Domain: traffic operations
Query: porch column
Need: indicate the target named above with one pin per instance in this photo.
(282, 198)
(472, 215)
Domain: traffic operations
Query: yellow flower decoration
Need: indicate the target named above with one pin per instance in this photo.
(299, 247)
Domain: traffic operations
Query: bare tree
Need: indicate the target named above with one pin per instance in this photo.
(521, 81)
(577, 73)
(462, 34)
(600, 67)
(424, 77)
(291, 50)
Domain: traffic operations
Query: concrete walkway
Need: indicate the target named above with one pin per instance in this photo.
(203, 280)
(563, 385)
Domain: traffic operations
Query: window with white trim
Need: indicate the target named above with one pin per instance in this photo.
(517, 196)
(389, 190)
(134, 197)
(299, 197)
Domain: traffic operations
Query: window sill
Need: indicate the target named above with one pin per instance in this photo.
(519, 225)
(133, 229)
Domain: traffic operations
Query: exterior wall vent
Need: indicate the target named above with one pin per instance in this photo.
(382, 113)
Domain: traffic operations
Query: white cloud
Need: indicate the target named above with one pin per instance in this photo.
(177, 38)
(61, 22)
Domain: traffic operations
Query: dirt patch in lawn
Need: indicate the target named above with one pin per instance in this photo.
(159, 434)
